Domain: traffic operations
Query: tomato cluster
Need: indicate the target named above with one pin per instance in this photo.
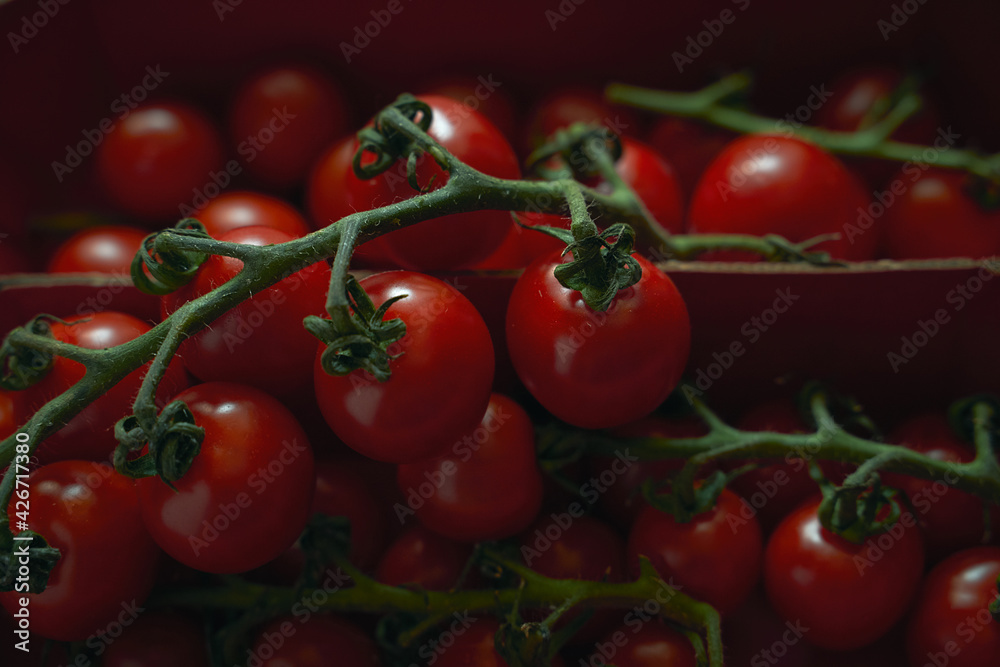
(444, 453)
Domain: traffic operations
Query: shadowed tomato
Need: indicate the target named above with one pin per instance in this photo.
(689, 146)
(649, 644)
(158, 639)
(253, 477)
(88, 512)
(104, 249)
(474, 645)
(423, 559)
(848, 595)
(480, 94)
(232, 210)
(654, 181)
(488, 487)
(307, 640)
(565, 107)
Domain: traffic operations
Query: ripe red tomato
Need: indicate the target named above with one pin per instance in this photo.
(952, 519)
(88, 512)
(307, 640)
(715, 557)
(232, 210)
(247, 495)
(423, 559)
(951, 623)
(848, 595)
(571, 358)
(91, 434)
(104, 249)
(158, 158)
(281, 119)
(473, 645)
(481, 94)
(770, 184)
(157, 639)
(454, 241)
(690, 147)
(261, 342)
(649, 644)
(912, 226)
(565, 107)
(654, 181)
(488, 487)
(439, 386)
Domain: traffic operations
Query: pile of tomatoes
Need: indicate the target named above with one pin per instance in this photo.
(443, 454)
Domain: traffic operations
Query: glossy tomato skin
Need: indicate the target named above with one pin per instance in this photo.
(951, 622)
(487, 487)
(650, 644)
(847, 594)
(261, 342)
(283, 116)
(157, 158)
(232, 210)
(771, 184)
(108, 562)
(104, 249)
(574, 360)
(480, 94)
(439, 388)
(716, 557)
(91, 434)
(913, 227)
(423, 559)
(314, 641)
(158, 639)
(246, 497)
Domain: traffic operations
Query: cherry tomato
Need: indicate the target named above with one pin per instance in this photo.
(912, 224)
(480, 94)
(91, 434)
(474, 645)
(454, 241)
(487, 488)
(313, 641)
(261, 342)
(770, 184)
(103, 249)
(423, 559)
(232, 210)
(848, 595)
(952, 519)
(689, 146)
(439, 386)
(158, 639)
(716, 556)
(108, 563)
(246, 497)
(158, 158)
(565, 107)
(649, 644)
(597, 370)
(654, 181)
(280, 120)
(951, 623)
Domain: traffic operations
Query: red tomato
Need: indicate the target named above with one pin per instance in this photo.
(690, 147)
(88, 512)
(261, 342)
(650, 644)
(158, 158)
(951, 624)
(454, 241)
(158, 639)
(654, 181)
(91, 434)
(481, 94)
(487, 488)
(313, 641)
(571, 359)
(769, 184)
(912, 226)
(253, 478)
(565, 107)
(423, 559)
(715, 557)
(473, 645)
(232, 210)
(952, 519)
(104, 249)
(848, 595)
(439, 386)
(280, 120)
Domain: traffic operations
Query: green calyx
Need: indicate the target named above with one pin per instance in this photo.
(173, 444)
(857, 513)
(359, 339)
(602, 264)
(22, 366)
(160, 272)
(388, 145)
(684, 507)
